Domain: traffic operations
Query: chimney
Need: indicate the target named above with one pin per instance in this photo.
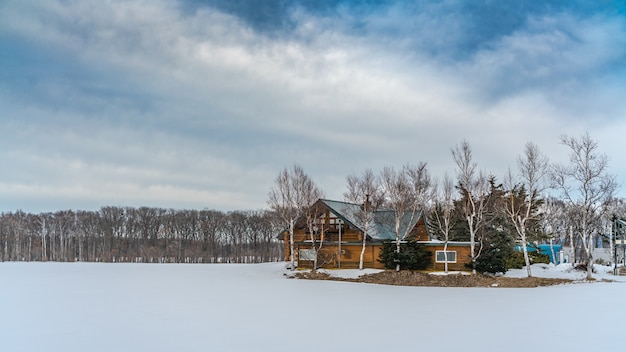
(367, 205)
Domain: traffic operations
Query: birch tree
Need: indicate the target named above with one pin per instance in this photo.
(474, 187)
(587, 186)
(405, 193)
(442, 212)
(524, 195)
(616, 209)
(366, 190)
(289, 198)
(311, 194)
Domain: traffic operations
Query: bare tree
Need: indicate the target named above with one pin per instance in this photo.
(524, 194)
(554, 221)
(289, 198)
(442, 212)
(586, 185)
(211, 223)
(406, 192)
(312, 213)
(616, 209)
(475, 190)
(365, 190)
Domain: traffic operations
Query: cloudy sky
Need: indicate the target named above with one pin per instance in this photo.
(200, 104)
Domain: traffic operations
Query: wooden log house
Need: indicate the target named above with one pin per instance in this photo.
(338, 235)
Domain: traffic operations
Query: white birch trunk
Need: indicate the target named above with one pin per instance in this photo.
(470, 222)
(292, 246)
(362, 256)
(588, 245)
(526, 258)
(573, 246)
(445, 253)
(397, 245)
(612, 244)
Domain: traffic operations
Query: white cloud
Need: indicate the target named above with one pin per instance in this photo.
(171, 108)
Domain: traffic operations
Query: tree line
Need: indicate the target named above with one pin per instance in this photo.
(537, 201)
(148, 235)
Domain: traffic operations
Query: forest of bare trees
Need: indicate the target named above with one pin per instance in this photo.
(149, 235)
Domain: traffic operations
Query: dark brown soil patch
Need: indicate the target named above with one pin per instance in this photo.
(414, 278)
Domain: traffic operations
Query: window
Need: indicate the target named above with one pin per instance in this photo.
(440, 256)
(307, 254)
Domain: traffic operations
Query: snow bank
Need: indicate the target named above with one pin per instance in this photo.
(450, 273)
(349, 273)
(565, 271)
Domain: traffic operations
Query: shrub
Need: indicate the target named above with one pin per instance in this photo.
(516, 259)
(412, 256)
(537, 258)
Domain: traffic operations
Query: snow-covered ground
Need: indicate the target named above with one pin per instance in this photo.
(186, 307)
(565, 271)
(561, 271)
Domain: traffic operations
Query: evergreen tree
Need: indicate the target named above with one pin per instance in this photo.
(387, 256)
(496, 235)
(415, 256)
(496, 251)
(412, 256)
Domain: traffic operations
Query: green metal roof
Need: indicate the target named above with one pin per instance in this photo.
(384, 219)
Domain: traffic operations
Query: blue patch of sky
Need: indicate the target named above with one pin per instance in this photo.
(477, 24)
(22, 66)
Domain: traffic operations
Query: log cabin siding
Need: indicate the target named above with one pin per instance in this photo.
(463, 257)
(301, 237)
(420, 233)
(351, 255)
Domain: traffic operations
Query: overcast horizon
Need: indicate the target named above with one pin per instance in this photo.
(200, 104)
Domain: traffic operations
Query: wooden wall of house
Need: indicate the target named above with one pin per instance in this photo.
(351, 251)
(350, 256)
(301, 235)
(463, 256)
(419, 232)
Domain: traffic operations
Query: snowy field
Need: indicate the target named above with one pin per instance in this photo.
(186, 307)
